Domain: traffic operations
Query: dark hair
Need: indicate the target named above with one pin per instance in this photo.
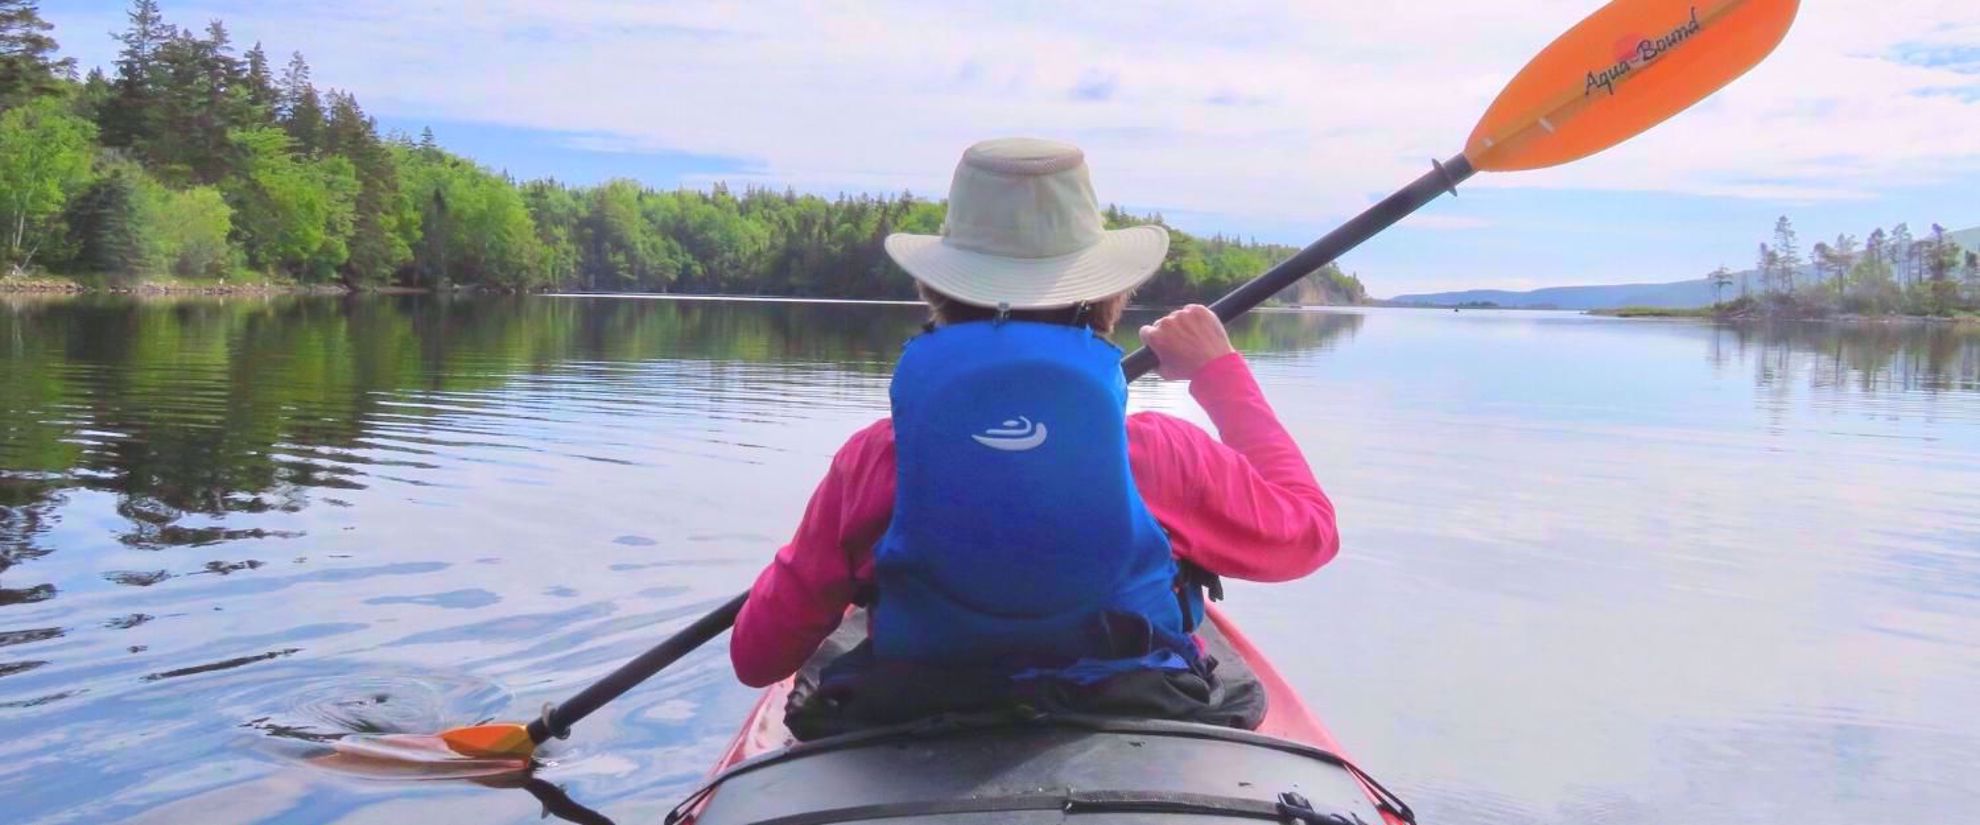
(1100, 316)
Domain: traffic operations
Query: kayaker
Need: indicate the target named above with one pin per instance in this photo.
(1018, 537)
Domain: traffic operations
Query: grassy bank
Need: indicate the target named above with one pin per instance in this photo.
(1745, 312)
(1656, 312)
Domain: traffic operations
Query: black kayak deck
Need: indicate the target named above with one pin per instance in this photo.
(1088, 770)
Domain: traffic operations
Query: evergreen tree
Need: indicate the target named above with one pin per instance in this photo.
(378, 246)
(130, 117)
(1940, 258)
(1788, 253)
(431, 260)
(302, 108)
(105, 222)
(1970, 276)
(92, 95)
(222, 103)
(28, 67)
(556, 211)
(1844, 252)
(1720, 279)
(179, 150)
(1872, 287)
(1940, 254)
(1845, 246)
(258, 85)
(1903, 256)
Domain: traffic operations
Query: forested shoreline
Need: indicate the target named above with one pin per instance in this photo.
(190, 163)
(1888, 273)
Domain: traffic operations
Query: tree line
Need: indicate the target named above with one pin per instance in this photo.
(192, 160)
(1887, 272)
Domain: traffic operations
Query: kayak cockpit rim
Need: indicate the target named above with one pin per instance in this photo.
(1069, 801)
(1290, 807)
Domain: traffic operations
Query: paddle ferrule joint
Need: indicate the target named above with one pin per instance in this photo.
(1454, 171)
(546, 728)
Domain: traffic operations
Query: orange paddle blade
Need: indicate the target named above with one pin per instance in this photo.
(1630, 66)
(490, 741)
(414, 757)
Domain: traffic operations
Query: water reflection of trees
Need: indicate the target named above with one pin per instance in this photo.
(1293, 332)
(215, 407)
(27, 504)
(1869, 357)
(1266, 333)
(190, 412)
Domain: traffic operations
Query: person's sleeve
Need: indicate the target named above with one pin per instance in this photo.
(1247, 507)
(800, 598)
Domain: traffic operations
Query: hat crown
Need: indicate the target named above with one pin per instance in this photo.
(1023, 198)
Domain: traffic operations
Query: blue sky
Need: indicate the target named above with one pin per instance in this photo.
(1260, 119)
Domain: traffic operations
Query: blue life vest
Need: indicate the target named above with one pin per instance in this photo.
(1019, 541)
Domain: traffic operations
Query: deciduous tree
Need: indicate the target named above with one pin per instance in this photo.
(294, 214)
(44, 158)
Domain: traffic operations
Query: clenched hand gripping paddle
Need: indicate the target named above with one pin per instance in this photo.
(1628, 67)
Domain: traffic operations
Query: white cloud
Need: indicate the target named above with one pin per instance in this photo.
(1242, 109)
(1433, 220)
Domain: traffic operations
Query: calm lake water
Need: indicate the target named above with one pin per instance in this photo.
(1595, 571)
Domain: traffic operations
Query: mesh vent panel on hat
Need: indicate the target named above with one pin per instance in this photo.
(1024, 156)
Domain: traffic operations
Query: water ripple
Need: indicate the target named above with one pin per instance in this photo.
(1652, 572)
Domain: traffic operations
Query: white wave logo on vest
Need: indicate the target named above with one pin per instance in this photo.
(1015, 436)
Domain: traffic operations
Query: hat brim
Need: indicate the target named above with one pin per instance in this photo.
(1121, 261)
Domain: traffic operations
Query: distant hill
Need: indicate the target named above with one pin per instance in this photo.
(1677, 295)
(1674, 295)
(1968, 239)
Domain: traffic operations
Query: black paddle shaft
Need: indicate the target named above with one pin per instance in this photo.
(1444, 178)
(558, 721)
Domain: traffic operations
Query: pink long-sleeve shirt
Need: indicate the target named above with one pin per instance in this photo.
(1246, 507)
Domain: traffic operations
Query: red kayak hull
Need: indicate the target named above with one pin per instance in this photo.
(1288, 716)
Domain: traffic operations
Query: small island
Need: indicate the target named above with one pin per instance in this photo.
(1890, 275)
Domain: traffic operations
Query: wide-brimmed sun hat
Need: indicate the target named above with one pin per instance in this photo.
(1025, 231)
